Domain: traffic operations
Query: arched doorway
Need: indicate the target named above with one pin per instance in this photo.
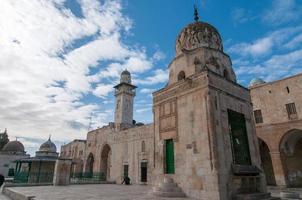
(105, 161)
(78, 166)
(89, 164)
(266, 162)
(291, 148)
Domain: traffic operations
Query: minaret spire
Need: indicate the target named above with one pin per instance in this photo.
(196, 15)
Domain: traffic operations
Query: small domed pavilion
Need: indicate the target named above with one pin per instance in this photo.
(38, 169)
(9, 152)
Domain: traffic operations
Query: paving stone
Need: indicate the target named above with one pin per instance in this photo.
(93, 192)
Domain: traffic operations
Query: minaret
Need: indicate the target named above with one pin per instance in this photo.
(124, 95)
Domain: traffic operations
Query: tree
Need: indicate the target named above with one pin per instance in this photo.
(3, 139)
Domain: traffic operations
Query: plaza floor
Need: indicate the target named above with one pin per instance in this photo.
(91, 192)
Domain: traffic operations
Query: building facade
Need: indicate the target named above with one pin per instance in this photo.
(202, 141)
(278, 117)
(123, 148)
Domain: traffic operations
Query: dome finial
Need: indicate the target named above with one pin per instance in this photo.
(49, 137)
(196, 15)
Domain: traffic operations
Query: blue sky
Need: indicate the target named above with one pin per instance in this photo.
(60, 59)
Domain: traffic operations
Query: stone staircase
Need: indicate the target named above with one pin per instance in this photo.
(168, 189)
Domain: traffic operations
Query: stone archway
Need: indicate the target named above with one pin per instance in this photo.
(291, 149)
(89, 164)
(266, 162)
(106, 161)
(79, 166)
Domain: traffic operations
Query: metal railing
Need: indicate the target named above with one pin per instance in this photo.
(87, 178)
(36, 178)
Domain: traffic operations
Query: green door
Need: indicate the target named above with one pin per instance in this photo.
(170, 157)
(239, 138)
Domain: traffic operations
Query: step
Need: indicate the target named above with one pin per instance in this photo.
(168, 189)
(255, 196)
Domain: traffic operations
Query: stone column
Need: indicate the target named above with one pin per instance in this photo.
(62, 172)
(279, 170)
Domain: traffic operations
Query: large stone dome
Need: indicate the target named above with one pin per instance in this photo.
(48, 146)
(14, 146)
(198, 34)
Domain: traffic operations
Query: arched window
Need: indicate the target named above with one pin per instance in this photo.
(181, 76)
(143, 146)
(226, 74)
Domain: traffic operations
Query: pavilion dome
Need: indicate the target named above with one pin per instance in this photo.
(256, 81)
(196, 35)
(14, 146)
(48, 146)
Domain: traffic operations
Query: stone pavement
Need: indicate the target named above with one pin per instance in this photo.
(92, 192)
(2, 197)
(275, 191)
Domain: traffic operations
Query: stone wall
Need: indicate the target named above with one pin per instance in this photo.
(7, 162)
(125, 149)
(200, 131)
(75, 150)
(279, 132)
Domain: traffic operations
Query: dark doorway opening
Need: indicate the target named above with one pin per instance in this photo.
(144, 172)
(126, 171)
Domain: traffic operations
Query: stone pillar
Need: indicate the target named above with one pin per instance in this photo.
(279, 171)
(62, 172)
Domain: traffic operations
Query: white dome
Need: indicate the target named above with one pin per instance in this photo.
(256, 81)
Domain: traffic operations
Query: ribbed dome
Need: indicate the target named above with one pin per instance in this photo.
(14, 146)
(198, 34)
(48, 146)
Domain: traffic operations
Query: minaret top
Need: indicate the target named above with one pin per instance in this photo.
(196, 14)
(125, 77)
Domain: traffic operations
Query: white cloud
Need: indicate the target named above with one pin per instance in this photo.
(297, 40)
(275, 67)
(241, 16)
(142, 110)
(283, 11)
(257, 48)
(147, 91)
(45, 75)
(265, 45)
(103, 90)
(160, 76)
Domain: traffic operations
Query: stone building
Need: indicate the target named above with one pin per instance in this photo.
(10, 152)
(278, 110)
(76, 150)
(123, 148)
(202, 141)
